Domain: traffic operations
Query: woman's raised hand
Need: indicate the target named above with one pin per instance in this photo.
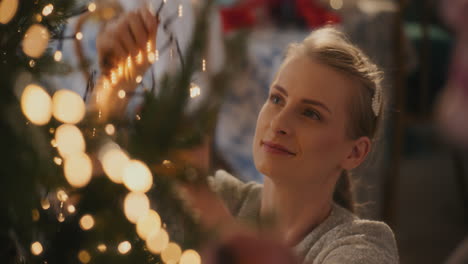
(131, 35)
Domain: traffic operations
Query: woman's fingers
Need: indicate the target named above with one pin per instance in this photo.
(138, 31)
(151, 22)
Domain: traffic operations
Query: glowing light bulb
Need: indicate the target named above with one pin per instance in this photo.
(113, 161)
(36, 40)
(194, 90)
(204, 65)
(121, 94)
(113, 76)
(62, 196)
(110, 129)
(139, 79)
(45, 204)
(190, 256)
(137, 177)
(36, 104)
(58, 161)
(69, 140)
(47, 10)
(150, 223)
(120, 70)
(92, 7)
(58, 55)
(171, 254)
(79, 36)
(151, 57)
(86, 222)
(84, 256)
(71, 209)
(129, 62)
(136, 205)
(157, 241)
(35, 215)
(32, 63)
(8, 10)
(157, 55)
(78, 170)
(124, 247)
(139, 58)
(68, 106)
(36, 248)
(102, 248)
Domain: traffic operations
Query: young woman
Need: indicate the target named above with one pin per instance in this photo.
(318, 123)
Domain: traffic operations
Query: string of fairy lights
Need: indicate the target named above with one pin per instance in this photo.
(69, 108)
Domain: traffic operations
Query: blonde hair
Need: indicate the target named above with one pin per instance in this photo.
(330, 47)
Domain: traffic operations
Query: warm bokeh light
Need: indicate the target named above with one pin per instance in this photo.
(121, 94)
(35, 215)
(68, 106)
(113, 161)
(71, 209)
(36, 104)
(36, 40)
(70, 140)
(110, 129)
(336, 4)
(45, 204)
(102, 248)
(148, 224)
(124, 247)
(92, 7)
(48, 9)
(79, 36)
(58, 55)
(190, 256)
(78, 170)
(139, 58)
(136, 205)
(86, 222)
(8, 10)
(171, 254)
(62, 195)
(157, 241)
(139, 79)
(137, 177)
(36, 248)
(84, 256)
(58, 161)
(194, 90)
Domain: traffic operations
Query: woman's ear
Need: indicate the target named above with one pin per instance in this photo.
(360, 148)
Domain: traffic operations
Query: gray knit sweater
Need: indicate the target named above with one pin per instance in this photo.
(341, 238)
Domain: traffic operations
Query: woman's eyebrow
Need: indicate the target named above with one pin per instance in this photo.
(305, 101)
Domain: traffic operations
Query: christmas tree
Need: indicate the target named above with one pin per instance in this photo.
(82, 184)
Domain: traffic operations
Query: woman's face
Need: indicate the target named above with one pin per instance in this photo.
(301, 128)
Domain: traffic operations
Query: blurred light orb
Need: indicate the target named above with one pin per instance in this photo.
(8, 10)
(71, 209)
(92, 7)
(36, 248)
(47, 10)
(84, 256)
(86, 222)
(137, 177)
(136, 205)
(150, 223)
(110, 129)
(58, 55)
(36, 105)
(171, 254)
(69, 107)
(194, 90)
(79, 36)
(62, 195)
(157, 241)
(69, 140)
(124, 247)
(113, 161)
(78, 170)
(190, 256)
(36, 40)
(102, 248)
(336, 4)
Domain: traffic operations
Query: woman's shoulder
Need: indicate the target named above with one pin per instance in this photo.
(349, 239)
(240, 197)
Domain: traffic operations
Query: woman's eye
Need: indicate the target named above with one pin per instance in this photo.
(311, 114)
(275, 99)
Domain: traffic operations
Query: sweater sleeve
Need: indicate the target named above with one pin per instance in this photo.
(231, 190)
(360, 242)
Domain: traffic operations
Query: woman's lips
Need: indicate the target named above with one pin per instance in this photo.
(276, 148)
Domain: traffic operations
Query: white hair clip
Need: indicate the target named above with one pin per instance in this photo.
(377, 101)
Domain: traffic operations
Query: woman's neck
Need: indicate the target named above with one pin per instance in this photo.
(297, 209)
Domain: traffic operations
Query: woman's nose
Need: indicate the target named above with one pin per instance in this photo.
(280, 123)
